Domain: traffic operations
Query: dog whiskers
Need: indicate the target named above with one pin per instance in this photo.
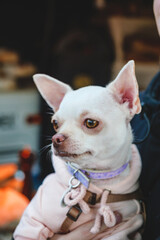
(49, 154)
(45, 147)
(50, 113)
(48, 138)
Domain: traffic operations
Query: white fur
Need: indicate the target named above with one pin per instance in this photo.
(107, 146)
(110, 147)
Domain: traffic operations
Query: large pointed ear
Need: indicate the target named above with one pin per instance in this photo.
(52, 90)
(125, 89)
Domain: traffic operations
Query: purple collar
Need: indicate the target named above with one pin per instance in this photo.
(83, 175)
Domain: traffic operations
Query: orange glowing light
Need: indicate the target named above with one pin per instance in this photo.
(26, 152)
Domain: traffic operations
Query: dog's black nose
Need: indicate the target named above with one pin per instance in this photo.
(58, 138)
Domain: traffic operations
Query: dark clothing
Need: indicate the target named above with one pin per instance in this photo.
(150, 154)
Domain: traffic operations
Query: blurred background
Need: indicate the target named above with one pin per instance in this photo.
(79, 42)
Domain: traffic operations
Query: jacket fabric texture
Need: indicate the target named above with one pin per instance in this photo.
(44, 215)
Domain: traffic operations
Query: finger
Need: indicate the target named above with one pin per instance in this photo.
(77, 233)
(127, 229)
(84, 230)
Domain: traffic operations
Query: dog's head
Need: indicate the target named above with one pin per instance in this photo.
(92, 123)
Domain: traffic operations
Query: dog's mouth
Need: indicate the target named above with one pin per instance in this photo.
(70, 155)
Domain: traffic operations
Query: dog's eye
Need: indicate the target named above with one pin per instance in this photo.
(55, 124)
(90, 123)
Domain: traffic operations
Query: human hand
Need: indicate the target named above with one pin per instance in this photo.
(83, 231)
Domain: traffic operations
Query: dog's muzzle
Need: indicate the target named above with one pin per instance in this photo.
(58, 140)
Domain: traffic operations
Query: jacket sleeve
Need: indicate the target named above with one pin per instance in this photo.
(31, 225)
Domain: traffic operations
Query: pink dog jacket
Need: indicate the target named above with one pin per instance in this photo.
(44, 215)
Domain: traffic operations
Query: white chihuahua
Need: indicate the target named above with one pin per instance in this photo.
(97, 167)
